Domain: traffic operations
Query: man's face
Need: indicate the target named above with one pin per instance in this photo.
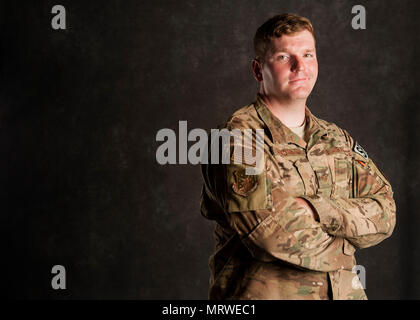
(290, 69)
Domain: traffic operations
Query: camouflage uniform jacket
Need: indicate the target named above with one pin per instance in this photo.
(268, 247)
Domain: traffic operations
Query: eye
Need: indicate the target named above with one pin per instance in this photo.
(308, 55)
(282, 57)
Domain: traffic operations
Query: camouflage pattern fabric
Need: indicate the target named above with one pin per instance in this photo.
(267, 246)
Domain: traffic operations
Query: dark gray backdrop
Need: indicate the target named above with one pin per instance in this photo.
(80, 109)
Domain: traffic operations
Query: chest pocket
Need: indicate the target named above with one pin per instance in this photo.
(334, 177)
(290, 178)
(324, 179)
(307, 175)
(341, 186)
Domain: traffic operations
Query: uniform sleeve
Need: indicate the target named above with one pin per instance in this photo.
(369, 216)
(270, 222)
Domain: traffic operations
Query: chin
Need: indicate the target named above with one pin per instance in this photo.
(299, 97)
(301, 94)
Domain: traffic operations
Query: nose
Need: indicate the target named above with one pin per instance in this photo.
(298, 64)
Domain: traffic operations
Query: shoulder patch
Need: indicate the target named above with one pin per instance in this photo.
(359, 150)
(244, 184)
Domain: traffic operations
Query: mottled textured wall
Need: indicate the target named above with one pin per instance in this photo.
(79, 112)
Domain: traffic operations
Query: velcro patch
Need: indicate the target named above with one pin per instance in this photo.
(244, 184)
(359, 150)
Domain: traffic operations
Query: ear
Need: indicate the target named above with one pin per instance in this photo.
(257, 70)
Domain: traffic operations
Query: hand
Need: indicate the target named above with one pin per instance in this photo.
(305, 204)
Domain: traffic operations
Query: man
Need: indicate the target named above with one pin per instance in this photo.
(291, 231)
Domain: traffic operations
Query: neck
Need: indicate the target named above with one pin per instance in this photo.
(290, 113)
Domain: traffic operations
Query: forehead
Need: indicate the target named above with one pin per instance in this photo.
(298, 41)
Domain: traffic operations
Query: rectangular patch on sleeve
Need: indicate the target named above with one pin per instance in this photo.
(246, 192)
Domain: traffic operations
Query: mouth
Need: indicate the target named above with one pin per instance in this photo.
(298, 80)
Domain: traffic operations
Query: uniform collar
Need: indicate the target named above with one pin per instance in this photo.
(280, 133)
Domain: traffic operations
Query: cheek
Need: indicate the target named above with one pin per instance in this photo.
(281, 73)
(314, 68)
(275, 74)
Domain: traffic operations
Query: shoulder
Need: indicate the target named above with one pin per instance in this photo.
(245, 117)
(335, 132)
